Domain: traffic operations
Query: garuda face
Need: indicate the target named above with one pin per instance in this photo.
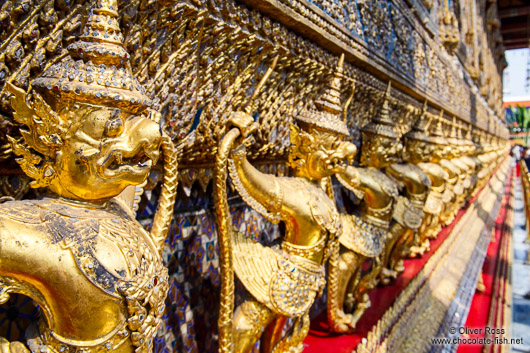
(111, 150)
(84, 152)
(317, 154)
(439, 152)
(379, 151)
(417, 151)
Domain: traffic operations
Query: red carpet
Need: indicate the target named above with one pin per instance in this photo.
(321, 340)
(486, 308)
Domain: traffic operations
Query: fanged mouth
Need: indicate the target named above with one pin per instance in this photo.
(140, 160)
(126, 164)
(335, 163)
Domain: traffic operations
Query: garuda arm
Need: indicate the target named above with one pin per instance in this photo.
(259, 190)
(351, 180)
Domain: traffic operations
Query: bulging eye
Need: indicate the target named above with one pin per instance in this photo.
(114, 127)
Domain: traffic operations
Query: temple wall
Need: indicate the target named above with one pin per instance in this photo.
(202, 60)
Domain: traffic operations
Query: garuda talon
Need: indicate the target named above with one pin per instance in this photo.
(282, 283)
(88, 133)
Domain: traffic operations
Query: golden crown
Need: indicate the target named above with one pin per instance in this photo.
(97, 69)
(437, 135)
(327, 116)
(418, 130)
(454, 137)
(382, 125)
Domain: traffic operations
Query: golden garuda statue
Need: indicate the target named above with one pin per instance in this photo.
(453, 188)
(467, 149)
(456, 140)
(420, 151)
(481, 159)
(470, 149)
(88, 134)
(415, 187)
(281, 282)
(364, 235)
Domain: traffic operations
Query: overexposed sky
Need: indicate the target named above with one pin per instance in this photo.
(515, 75)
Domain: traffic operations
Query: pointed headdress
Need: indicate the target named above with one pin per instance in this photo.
(437, 135)
(418, 130)
(454, 137)
(96, 69)
(382, 125)
(328, 113)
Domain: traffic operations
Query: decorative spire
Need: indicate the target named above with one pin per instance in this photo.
(385, 110)
(421, 123)
(327, 116)
(438, 134)
(453, 134)
(97, 69)
(418, 130)
(459, 132)
(382, 125)
(330, 100)
(469, 136)
(475, 137)
(464, 140)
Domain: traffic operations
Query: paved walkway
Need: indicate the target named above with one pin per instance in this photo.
(520, 276)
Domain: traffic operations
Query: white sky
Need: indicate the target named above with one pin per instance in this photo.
(515, 75)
